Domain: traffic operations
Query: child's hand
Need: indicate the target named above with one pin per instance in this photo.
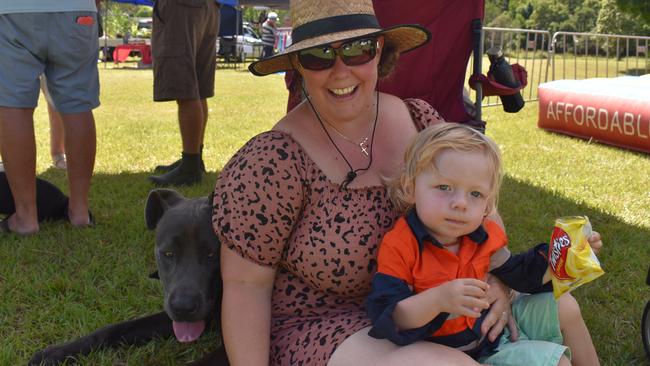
(595, 242)
(463, 296)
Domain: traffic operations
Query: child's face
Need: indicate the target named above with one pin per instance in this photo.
(452, 200)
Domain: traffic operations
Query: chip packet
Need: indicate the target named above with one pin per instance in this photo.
(570, 258)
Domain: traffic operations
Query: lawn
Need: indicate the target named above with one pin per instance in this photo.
(64, 282)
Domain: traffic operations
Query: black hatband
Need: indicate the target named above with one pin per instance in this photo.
(333, 24)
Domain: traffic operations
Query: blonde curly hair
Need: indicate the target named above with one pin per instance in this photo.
(421, 153)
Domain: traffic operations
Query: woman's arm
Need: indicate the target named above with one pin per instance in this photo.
(246, 309)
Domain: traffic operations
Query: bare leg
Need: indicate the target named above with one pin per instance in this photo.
(80, 143)
(192, 117)
(564, 361)
(575, 332)
(204, 107)
(57, 146)
(362, 350)
(18, 147)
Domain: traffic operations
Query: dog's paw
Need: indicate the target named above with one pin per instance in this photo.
(51, 356)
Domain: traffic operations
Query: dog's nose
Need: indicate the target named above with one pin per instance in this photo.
(185, 304)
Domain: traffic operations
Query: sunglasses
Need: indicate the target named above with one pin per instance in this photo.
(352, 53)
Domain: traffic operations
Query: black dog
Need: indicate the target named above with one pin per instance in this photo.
(187, 255)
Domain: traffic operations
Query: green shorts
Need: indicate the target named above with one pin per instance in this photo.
(540, 339)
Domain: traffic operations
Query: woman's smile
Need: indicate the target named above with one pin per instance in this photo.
(343, 92)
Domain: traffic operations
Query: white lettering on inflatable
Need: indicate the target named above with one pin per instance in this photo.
(582, 115)
(615, 123)
(549, 111)
(602, 124)
(591, 113)
(559, 109)
(638, 127)
(628, 123)
(569, 112)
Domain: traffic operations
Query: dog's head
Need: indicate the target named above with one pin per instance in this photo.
(187, 255)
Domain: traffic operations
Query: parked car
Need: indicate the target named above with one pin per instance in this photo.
(240, 47)
(144, 27)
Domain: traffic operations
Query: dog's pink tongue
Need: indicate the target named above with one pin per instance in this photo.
(188, 332)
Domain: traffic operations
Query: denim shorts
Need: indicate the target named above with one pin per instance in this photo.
(540, 339)
(63, 46)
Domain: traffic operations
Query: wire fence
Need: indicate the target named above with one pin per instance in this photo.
(565, 55)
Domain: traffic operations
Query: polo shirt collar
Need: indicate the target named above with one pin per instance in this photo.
(479, 236)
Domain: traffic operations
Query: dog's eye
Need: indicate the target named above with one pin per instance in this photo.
(169, 254)
(211, 255)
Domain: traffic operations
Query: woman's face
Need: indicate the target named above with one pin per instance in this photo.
(342, 92)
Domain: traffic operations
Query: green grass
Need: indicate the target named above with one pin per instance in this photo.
(64, 283)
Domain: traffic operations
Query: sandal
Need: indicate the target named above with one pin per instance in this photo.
(59, 162)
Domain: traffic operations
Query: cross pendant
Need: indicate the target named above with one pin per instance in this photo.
(363, 147)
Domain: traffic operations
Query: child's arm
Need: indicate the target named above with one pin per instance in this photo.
(463, 296)
(529, 271)
(419, 315)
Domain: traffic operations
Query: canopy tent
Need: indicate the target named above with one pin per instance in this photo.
(278, 4)
(231, 18)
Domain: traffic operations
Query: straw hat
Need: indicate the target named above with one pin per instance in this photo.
(321, 22)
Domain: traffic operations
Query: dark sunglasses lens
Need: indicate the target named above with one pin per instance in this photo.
(359, 52)
(317, 58)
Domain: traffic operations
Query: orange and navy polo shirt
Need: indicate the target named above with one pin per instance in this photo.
(411, 261)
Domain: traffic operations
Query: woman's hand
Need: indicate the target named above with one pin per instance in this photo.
(595, 242)
(500, 313)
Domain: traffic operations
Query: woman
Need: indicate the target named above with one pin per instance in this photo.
(301, 209)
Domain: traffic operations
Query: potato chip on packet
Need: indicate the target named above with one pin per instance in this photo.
(571, 260)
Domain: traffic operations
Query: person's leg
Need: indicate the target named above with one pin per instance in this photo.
(191, 120)
(57, 147)
(18, 147)
(189, 170)
(362, 350)
(80, 144)
(575, 332)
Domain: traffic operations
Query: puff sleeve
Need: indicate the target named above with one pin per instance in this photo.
(259, 197)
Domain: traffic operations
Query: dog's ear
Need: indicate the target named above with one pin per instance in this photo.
(159, 201)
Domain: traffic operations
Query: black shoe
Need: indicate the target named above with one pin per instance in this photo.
(167, 168)
(188, 172)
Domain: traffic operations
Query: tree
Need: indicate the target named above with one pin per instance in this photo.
(638, 7)
(612, 21)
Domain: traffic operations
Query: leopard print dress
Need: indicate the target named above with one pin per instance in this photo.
(274, 206)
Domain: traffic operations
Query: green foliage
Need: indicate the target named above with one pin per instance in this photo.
(611, 20)
(626, 17)
(119, 18)
(144, 12)
(638, 7)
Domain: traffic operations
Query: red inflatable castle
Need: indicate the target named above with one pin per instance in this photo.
(613, 111)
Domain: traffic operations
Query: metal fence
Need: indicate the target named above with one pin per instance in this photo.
(589, 55)
(527, 47)
(566, 55)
